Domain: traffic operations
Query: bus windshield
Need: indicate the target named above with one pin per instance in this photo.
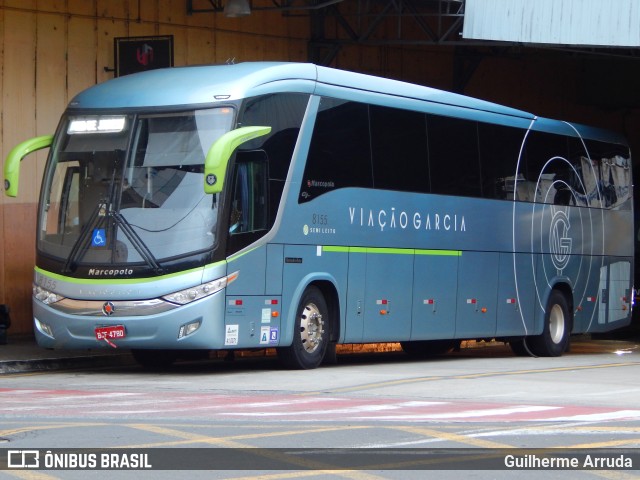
(128, 190)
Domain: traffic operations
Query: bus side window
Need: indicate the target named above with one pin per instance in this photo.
(399, 149)
(283, 112)
(454, 159)
(610, 172)
(248, 212)
(499, 152)
(339, 153)
(548, 175)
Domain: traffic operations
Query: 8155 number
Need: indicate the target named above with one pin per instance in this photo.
(320, 219)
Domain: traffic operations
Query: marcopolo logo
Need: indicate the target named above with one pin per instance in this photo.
(110, 272)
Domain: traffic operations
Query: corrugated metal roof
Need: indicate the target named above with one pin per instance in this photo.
(556, 22)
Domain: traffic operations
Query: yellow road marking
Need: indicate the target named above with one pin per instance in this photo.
(453, 437)
(314, 468)
(271, 454)
(247, 436)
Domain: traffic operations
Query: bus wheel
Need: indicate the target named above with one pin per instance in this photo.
(311, 333)
(554, 339)
(155, 359)
(429, 348)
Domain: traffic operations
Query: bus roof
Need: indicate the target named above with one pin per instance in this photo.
(200, 85)
(572, 129)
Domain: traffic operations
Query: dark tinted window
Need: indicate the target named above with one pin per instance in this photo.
(399, 148)
(369, 146)
(549, 173)
(248, 202)
(339, 155)
(249, 209)
(579, 177)
(607, 175)
(499, 150)
(453, 156)
(283, 113)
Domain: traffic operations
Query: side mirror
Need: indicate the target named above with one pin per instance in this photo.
(217, 159)
(12, 162)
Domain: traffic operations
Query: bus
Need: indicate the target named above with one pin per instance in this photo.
(294, 207)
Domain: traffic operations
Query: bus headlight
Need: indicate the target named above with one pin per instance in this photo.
(45, 296)
(189, 295)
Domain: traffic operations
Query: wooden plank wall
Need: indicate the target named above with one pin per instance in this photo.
(52, 49)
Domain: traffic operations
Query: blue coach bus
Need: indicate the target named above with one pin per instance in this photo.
(294, 207)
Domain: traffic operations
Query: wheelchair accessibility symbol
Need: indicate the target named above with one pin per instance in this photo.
(99, 237)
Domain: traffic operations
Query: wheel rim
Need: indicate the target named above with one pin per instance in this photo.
(556, 324)
(311, 330)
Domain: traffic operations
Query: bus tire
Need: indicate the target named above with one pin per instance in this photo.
(311, 333)
(155, 359)
(554, 340)
(520, 348)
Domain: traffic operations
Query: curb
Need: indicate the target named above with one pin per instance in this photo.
(67, 363)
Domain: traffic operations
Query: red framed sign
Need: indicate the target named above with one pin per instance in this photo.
(138, 54)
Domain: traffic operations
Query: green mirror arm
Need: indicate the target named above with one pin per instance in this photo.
(12, 162)
(217, 159)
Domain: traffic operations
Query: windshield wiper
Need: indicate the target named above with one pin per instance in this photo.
(82, 244)
(136, 241)
(103, 209)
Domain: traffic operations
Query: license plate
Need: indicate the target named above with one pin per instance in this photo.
(110, 333)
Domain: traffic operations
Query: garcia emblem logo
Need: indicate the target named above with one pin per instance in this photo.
(559, 240)
(564, 237)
